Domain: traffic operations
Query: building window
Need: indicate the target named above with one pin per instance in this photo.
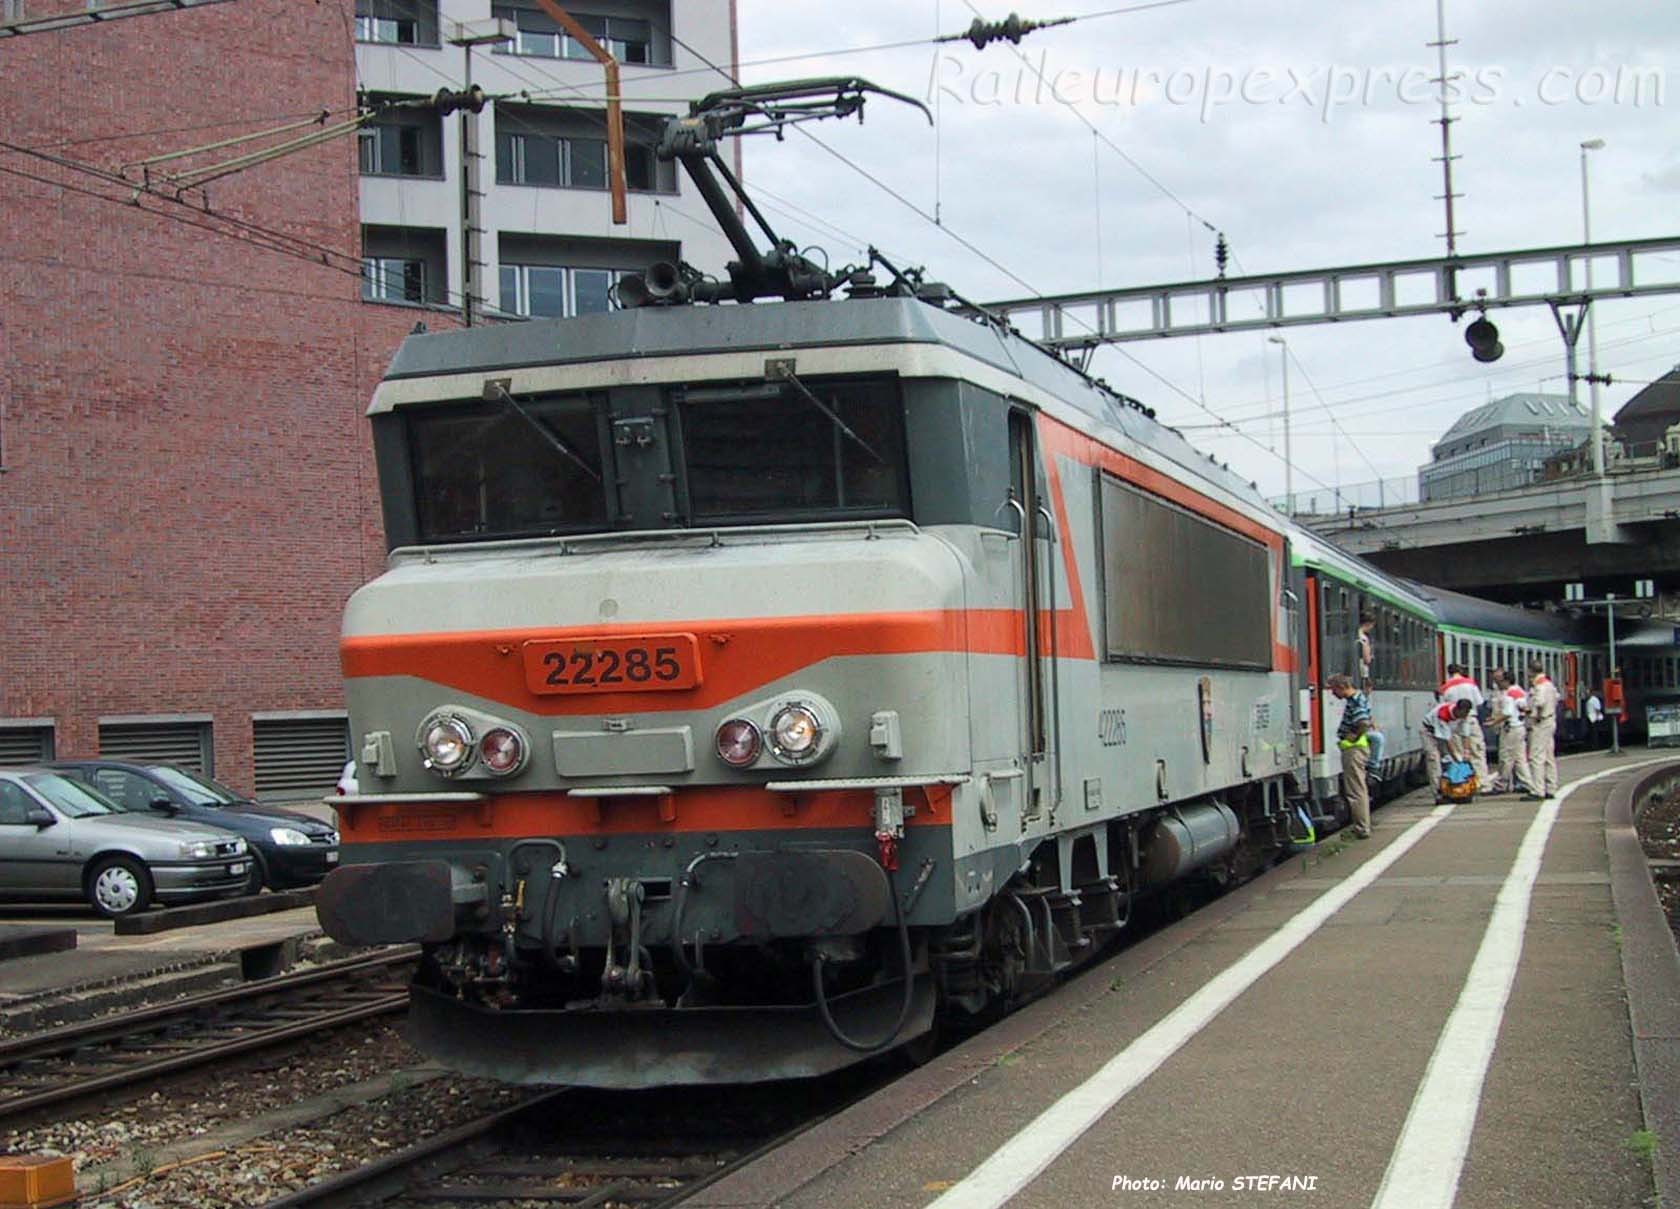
(404, 264)
(627, 39)
(554, 147)
(397, 22)
(402, 142)
(641, 169)
(393, 279)
(541, 159)
(554, 291)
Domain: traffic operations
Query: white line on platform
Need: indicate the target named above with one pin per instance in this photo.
(1018, 1162)
(1424, 1170)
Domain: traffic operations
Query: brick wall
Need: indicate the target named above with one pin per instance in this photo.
(188, 496)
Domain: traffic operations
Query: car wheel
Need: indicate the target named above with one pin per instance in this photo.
(258, 877)
(119, 886)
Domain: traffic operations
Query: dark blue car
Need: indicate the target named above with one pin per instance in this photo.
(288, 848)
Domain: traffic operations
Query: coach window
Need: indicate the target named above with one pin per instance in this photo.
(1402, 651)
(799, 449)
(506, 471)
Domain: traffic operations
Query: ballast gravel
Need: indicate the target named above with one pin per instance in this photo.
(160, 1151)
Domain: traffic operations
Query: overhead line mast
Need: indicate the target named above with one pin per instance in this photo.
(1445, 121)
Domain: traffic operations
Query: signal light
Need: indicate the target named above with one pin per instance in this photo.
(738, 743)
(502, 751)
(1483, 339)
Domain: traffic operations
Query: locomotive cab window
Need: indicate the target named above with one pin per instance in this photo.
(504, 471)
(805, 449)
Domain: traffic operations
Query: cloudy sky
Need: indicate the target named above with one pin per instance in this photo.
(1303, 131)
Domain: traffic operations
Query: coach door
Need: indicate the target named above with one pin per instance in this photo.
(1035, 577)
(1338, 650)
(1309, 715)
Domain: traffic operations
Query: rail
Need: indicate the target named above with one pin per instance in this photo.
(583, 1147)
(51, 1068)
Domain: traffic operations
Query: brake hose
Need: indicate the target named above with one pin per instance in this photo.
(833, 1027)
(551, 897)
(689, 879)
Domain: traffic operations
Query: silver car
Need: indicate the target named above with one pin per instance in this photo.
(59, 839)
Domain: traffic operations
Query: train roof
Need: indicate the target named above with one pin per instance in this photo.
(1462, 612)
(1312, 549)
(773, 327)
(1647, 636)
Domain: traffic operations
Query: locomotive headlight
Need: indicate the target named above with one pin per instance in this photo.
(502, 750)
(796, 734)
(447, 744)
(739, 743)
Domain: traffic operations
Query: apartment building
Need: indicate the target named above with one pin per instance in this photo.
(549, 245)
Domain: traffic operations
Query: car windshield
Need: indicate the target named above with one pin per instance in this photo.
(200, 791)
(72, 798)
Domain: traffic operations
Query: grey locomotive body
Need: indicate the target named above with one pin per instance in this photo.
(821, 634)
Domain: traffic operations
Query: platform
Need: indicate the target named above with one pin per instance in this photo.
(106, 971)
(1438, 1016)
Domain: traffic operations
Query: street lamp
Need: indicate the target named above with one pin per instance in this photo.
(1592, 321)
(1288, 454)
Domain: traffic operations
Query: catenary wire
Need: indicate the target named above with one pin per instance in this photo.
(925, 216)
(242, 232)
(1237, 411)
(1377, 396)
(839, 52)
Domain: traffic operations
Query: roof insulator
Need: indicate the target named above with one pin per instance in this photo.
(1011, 29)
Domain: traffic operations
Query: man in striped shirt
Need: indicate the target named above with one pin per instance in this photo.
(1351, 738)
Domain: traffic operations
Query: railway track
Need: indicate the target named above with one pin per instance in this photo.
(86, 1060)
(590, 1149)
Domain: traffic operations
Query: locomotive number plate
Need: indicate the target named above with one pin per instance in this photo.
(635, 664)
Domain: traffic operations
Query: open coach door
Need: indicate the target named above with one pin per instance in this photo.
(1309, 719)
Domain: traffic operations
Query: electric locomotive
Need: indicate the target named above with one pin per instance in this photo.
(752, 687)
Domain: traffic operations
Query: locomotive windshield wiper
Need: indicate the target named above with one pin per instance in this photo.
(782, 371)
(496, 391)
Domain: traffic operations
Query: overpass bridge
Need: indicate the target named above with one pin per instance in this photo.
(1524, 545)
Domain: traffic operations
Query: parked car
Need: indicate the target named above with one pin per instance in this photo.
(288, 848)
(61, 839)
